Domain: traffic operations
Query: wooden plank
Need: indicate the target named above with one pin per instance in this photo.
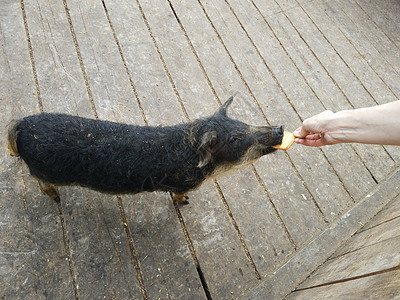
(391, 211)
(100, 258)
(165, 259)
(308, 259)
(262, 230)
(16, 247)
(359, 37)
(370, 80)
(331, 61)
(32, 254)
(188, 78)
(381, 286)
(373, 258)
(217, 246)
(385, 16)
(287, 4)
(232, 188)
(377, 234)
(383, 30)
(55, 58)
(142, 61)
(113, 96)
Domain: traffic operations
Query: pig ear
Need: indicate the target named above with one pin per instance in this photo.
(222, 110)
(206, 148)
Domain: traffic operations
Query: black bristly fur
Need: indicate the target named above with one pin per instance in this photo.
(107, 156)
(119, 158)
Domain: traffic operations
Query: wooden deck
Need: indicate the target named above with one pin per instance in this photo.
(255, 234)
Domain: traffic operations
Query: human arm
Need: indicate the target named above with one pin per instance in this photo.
(372, 125)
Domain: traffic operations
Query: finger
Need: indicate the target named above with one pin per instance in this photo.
(310, 143)
(300, 132)
(313, 136)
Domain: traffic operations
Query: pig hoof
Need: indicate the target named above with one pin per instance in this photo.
(180, 198)
(49, 189)
(57, 199)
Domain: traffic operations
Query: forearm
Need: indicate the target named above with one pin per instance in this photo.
(373, 125)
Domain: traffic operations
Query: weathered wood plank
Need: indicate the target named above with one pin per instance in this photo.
(100, 251)
(113, 96)
(381, 286)
(217, 246)
(32, 254)
(287, 4)
(143, 62)
(332, 62)
(360, 37)
(378, 234)
(370, 80)
(165, 259)
(305, 261)
(16, 245)
(373, 258)
(55, 59)
(391, 211)
(383, 30)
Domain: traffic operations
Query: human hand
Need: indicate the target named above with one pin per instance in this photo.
(370, 125)
(315, 131)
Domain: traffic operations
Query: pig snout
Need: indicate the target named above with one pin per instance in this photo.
(274, 135)
(277, 134)
(268, 136)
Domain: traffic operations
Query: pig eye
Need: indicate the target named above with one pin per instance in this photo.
(233, 139)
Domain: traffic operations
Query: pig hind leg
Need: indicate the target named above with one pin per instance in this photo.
(12, 133)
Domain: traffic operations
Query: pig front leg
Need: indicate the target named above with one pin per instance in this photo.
(180, 198)
(48, 189)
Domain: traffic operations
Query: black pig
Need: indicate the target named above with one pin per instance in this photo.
(117, 158)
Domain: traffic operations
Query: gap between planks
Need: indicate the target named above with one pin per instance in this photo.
(350, 278)
(28, 38)
(131, 243)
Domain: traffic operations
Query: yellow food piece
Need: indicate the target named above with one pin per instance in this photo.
(287, 141)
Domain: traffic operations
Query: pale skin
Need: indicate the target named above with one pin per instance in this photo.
(371, 125)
